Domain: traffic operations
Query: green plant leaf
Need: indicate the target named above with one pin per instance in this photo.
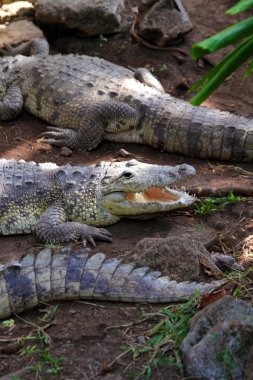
(224, 38)
(8, 323)
(149, 371)
(242, 6)
(237, 58)
(164, 361)
(249, 70)
(213, 71)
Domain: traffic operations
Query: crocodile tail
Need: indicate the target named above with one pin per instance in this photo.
(79, 275)
(200, 131)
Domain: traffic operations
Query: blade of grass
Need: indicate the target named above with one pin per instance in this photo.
(224, 38)
(242, 6)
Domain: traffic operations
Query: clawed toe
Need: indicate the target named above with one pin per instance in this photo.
(59, 143)
(98, 234)
(54, 136)
(105, 232)
(105, 236)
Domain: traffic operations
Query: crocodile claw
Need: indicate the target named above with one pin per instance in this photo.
(96, 233)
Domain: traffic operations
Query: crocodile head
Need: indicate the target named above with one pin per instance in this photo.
(132, 188)
(104, 194)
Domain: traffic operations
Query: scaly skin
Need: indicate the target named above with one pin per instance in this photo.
(68, 203)
(76, 275)
(87, 99)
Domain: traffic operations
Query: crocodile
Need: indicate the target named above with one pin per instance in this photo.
(86, 99)
(70, 275)
(69, 203)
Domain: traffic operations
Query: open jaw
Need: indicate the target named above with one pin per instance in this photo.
(152, 200)
(155, 194)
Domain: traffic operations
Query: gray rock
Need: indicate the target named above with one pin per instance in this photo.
(219, 345)
(92, 17)
(222, 353)
(180, 257)
(175, 256)
(162, 22)
(225, 309)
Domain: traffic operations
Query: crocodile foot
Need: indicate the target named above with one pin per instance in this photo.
(60, 137)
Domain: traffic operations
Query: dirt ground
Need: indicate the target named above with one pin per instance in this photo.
(78, 330)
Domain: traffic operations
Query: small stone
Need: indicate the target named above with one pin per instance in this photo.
(66, 152)
(141, 339)
(201, 63)
(125, 153)
(162, 22)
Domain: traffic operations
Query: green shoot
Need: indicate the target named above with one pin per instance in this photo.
(161, 344)
(214, 204)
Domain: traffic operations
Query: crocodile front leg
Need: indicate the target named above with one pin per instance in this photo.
(53, 227)
(111, 117)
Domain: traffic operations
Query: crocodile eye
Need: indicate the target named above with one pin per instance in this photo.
(127, 174)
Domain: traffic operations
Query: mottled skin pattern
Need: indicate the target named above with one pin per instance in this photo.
(68, 203)
(77, 275)
(87, 99)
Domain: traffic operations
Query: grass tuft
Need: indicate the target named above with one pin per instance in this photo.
(159, 346)
(214, 204)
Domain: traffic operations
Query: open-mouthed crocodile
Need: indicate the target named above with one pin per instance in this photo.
(78, 275)
(87, 99)
(68, 203)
